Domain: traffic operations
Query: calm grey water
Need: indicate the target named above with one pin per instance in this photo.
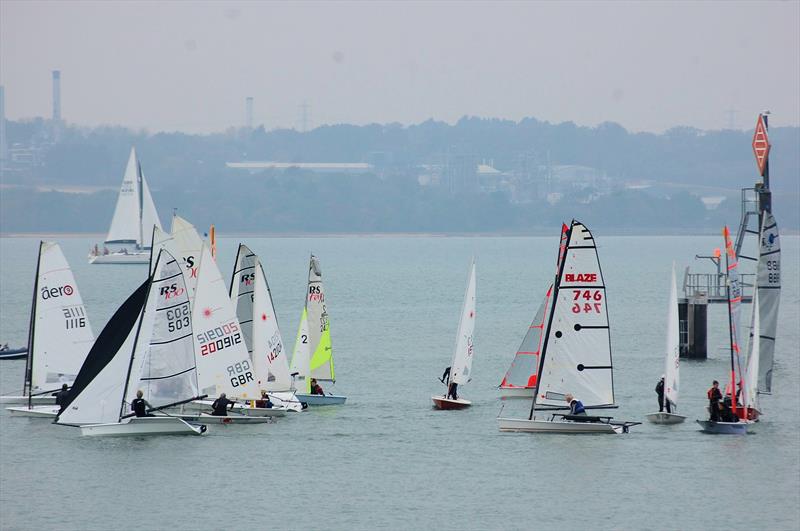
(386, 460)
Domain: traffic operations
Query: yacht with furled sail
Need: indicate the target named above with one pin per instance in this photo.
(132, 225)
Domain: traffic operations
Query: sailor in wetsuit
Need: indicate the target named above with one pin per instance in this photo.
(220, 406)
(714, 396)
(61, 396)
(575, 406)
(140, 405)
(660, 393)
(264, 402)
(316, 389)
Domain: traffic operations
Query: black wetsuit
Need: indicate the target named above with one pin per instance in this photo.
(452, 391)
(220, 407)
(660, 391)
(714, 396)
(139, 407)
(61, 397)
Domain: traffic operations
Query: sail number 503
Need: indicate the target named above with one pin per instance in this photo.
(587, 301)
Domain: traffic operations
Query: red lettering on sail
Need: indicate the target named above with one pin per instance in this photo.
(580, 277)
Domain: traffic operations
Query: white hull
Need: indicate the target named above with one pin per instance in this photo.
(205, 418)
(665, 418)
(41, 400)
(204, 406)
(723, 428)
(516, 392)
(555, 426)
(138, 257)
(143, 426)
(36, 411)
(322, 400)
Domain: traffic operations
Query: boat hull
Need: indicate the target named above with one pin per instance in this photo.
(13, 354)
(143, 426)
(556, 426)
(204, 406)
(723, 428)
(205, 418)
(49, 412)
(40, 400)
(516, 392)
(440, 402)
(665, 418)
(121, 258)
(322, 400)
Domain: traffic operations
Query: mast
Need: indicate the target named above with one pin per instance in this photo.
(136, 339)
(562, 249)
(140, 183)
(730, 319)
(28, 384)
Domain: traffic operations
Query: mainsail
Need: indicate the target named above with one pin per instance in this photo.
(135, 214)
(60, 335)
(671, 366)
(223, 363)
(301, 357)
(185, 244)
(576, 355)
(319, 330)
(768, 283)
(750, 389)
(461, 365)
(522, 372)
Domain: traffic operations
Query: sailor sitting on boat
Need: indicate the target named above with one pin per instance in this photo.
(264, 402)
(575, 406)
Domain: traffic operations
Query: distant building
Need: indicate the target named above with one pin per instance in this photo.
(315, 167)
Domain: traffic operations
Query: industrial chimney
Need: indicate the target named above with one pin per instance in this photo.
(248, 112)
(56, 95)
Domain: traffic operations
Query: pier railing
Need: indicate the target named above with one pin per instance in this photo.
(712, 286)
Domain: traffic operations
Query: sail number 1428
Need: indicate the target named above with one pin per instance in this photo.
(586, 301)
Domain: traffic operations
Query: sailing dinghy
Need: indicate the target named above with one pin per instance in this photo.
(733, 289)
(59, 334)
(185, 244)
(7, 353)
(147, 345)
(576, 352)
(671, 365)
(134, 218)
(223, 363)
(313, 354)
(250, 293)
(461, 364)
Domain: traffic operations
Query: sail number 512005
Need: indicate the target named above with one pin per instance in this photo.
(587, 301)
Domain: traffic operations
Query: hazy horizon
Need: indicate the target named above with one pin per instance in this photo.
(189, 66)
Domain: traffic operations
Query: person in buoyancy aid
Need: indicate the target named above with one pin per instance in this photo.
(220, 406)
(714, 396)
(140, 406)
(727, 413)
(575, 406)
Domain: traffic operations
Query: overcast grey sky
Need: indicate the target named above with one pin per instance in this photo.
(189, 65)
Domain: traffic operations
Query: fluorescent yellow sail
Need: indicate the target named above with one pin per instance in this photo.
(323, 354)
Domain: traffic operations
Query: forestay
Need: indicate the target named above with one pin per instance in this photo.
(671, 368)
(523, 370)
(164, 367)
(319, 331)
(768, 281)
(576, 356)
(60, 335)
(461, 365)
(223, 363)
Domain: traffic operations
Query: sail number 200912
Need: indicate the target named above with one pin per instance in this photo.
(587, 301)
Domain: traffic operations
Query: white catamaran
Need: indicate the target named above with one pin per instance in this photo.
(575, 357)
(251, 294)
(147, 346)
(461, 365)
(671, 364)
(133, 221)
(313, 354)
(59, 334)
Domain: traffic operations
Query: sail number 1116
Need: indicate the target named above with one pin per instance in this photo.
(586, 301)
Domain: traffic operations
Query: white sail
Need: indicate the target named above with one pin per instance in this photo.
(60, 334)
(768, 282)
(269, 353)
(242, 291)
(135, 213)
(301, 357)
(461, 365)
(750, 391)
(319, 328)
(97, 394)
(163, 366)
(223, 363)
(577, 350)
(185, 244)
(524, 368)
(671, 366)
